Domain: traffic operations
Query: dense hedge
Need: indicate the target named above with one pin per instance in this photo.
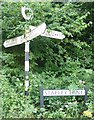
(54, 64)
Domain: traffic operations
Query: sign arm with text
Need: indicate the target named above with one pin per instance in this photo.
(29, 36)
(51, 33)
(46, 93)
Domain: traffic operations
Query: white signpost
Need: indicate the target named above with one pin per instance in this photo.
(32, 33)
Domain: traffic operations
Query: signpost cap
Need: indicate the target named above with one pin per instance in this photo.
(27, 17)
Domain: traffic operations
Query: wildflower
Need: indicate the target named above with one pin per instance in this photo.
(17, 79)
(83, 82)
(66, 106)
(61, 109)
(80, 81)
(87, 113)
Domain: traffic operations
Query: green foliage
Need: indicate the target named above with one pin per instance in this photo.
(54, 64)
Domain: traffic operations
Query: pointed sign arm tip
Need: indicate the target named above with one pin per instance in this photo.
(29, 36)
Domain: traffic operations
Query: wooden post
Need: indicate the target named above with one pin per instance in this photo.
(41, 98)
(86, 97)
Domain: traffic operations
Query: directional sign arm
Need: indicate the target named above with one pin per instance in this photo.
(14, 41)
(51, 34)
(33, 33)
(29, 36)
(36, 32)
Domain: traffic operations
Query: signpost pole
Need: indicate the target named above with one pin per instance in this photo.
(41, 98)
(26, 67)
(86, 97)
(23, 9)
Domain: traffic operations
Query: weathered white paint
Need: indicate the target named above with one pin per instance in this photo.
(51, 33)
(63, 92)
(30, 16)
(29, 36)
(26, 46)
(26, 65)
(36, 32)
(14, 41)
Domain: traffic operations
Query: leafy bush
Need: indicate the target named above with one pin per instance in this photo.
(54, 64)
